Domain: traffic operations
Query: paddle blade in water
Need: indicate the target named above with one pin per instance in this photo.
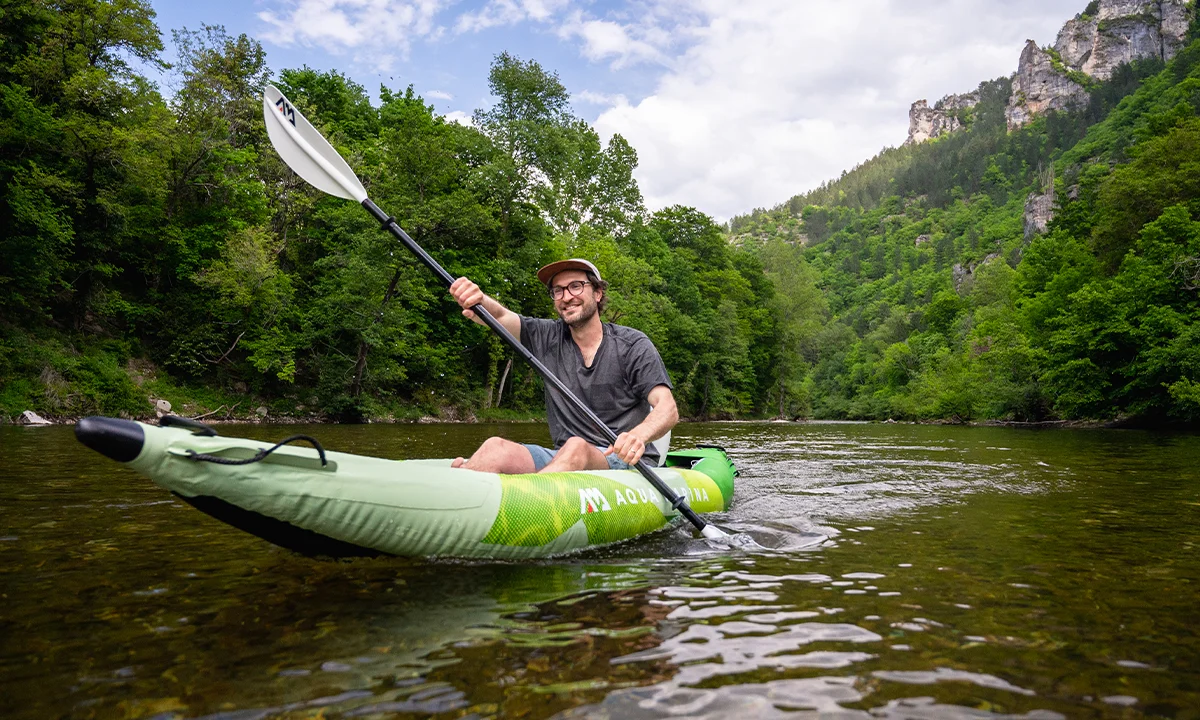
(306, 151)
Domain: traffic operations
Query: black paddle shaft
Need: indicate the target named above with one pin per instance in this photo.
(677, 502)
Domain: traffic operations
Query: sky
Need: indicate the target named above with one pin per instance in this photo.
(730, 104)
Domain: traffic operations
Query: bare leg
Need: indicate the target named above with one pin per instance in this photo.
(577, 454)
(498, 455)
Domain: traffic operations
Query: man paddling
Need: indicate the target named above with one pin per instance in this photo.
(615, 370)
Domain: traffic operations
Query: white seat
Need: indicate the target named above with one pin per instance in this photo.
(662, 445)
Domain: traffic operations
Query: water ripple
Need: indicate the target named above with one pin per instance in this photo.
(927, 677)
(794, 699)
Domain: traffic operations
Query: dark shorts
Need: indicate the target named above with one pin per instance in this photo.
(542, 457)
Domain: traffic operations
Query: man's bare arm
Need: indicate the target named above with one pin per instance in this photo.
(467, 294)
(630, 446)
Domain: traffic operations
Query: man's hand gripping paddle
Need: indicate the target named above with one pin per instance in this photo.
(311, 156)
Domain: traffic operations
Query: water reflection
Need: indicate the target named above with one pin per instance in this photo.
(913, 572)
(799, 699)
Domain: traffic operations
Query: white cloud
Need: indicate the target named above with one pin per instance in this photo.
(460, 117)
(752, 101)
(498, 13)
(590, 97)
(773, 97)
(439, 95)
(362, 25)
(604, 39)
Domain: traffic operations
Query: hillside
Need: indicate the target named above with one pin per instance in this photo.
(1043, 272)
(155, 250)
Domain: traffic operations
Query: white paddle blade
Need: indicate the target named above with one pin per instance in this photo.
(306, 151)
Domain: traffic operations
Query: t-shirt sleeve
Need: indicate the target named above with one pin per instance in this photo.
(537, 334)
(646, 368)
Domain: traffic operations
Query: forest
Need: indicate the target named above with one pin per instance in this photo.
(156, 247)
(938, 298)
(153, 246)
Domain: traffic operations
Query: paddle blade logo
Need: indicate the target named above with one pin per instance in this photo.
(287, 110)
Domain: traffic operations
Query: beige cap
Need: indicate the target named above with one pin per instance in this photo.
(547, 273)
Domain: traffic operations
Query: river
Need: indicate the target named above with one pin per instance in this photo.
(910, 572)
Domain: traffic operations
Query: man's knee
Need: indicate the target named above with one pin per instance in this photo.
(579, 450)
(497, 444)
(503, 456)
(576, 454)
(575, 445)
(499, 449)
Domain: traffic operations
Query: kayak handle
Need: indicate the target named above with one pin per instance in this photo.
(203, 457)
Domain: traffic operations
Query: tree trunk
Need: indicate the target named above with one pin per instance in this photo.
(503, 377)
(781, 394)
(360, 363)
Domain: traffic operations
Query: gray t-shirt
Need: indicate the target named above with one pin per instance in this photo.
(626, 368)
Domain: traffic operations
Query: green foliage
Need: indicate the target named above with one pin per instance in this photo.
(940, 306)
(154, 247)
(1164, 170)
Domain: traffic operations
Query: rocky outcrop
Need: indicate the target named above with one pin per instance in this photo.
(1089, 47)
(1039, 86)
(926, 123)
(1039, 211)
(1076, 41)
(1176, 19)
(964, 275)
(1121, 31)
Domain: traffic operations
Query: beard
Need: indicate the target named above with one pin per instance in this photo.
(587, 310)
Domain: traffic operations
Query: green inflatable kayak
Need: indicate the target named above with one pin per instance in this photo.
(338, 504)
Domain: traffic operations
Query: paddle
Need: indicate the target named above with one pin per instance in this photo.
(311, 156)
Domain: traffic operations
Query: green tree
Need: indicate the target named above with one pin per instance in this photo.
(799, 309)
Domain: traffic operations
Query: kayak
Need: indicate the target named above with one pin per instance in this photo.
(319, 502)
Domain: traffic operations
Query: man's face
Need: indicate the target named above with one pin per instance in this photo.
(575, 310)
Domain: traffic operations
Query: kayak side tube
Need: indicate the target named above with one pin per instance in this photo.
(425, 507)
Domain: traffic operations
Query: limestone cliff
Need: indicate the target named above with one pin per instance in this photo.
(1092, 47)
(926, 122)
(1039, 211)
(1089, 47)
(1120, 31)
(1040, 86)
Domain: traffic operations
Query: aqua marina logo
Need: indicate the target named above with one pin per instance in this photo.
(286, 108)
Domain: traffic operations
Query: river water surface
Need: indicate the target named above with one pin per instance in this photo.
(911, 572)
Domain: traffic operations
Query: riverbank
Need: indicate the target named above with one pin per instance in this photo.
(219, 417)
(496, 415)
(100, 384)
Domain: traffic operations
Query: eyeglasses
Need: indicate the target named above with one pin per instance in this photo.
(574, 288)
